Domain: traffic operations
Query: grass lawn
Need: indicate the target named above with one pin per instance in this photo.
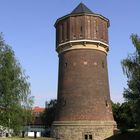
(130, 135)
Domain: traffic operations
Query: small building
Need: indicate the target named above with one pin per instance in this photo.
(36, 126)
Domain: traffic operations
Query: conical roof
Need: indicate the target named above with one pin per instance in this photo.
(81, 8)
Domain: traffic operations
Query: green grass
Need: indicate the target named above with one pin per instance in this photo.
(129, 135)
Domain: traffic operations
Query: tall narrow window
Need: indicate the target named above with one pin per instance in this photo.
(80, 27)
(104, 32)
(95, 28)
(81, 31)
(57, 36)
(73, 28)
(88, 29)
(73, 33)
(67, 30)
(63, 32)
(101, 30)
(60, 33)
(103, 64)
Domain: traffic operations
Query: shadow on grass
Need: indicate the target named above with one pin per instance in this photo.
(126, 136)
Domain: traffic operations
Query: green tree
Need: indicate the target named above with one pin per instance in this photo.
(123, 115)
(15, 98)
(49, 114)
(116, 114)
(131, 68)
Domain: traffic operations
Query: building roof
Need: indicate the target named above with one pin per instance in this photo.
(38, 109)
(81, 8)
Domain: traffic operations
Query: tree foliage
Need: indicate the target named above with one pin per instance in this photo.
(49, 114)
(131, 68)
(123, 115)
(15, 98)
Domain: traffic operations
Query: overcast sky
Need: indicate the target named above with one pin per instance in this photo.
(28, 26)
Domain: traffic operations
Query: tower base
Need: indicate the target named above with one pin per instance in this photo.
(83, 130)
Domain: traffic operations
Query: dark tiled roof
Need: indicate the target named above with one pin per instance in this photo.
(81, 8)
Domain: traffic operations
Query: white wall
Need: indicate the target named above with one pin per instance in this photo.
(31, 134)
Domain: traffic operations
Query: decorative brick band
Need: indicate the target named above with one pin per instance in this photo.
(83, 44)
(84, 123)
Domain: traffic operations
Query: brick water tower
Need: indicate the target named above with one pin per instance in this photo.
(84, 107)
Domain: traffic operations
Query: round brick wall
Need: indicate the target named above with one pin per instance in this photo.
(83, 89)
